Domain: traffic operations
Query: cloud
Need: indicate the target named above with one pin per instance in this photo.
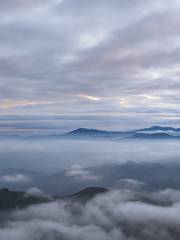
(114, 215)
(15, 178)
(78, 172)
(37, 193)
(55, 51)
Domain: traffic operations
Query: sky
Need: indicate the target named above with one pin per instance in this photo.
(99, 63)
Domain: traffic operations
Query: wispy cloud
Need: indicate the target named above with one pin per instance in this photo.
(78, 172)
(22, 103)
(15, 178)
(89, 97)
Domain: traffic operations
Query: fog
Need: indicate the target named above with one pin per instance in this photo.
(116, 215)
(54, 155)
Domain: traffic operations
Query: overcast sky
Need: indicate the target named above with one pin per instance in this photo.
(91, 60)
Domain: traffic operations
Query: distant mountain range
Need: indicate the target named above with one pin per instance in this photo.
(96, 133)
(158, 128)
(154, 132)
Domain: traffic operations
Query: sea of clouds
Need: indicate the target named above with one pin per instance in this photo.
(117, 215)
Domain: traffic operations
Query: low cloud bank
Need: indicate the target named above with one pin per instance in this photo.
(15, 178)
(36, 192)
(116, 215)
(79, 173)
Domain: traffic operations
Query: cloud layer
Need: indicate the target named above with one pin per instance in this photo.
(74, 57)
(115, 215)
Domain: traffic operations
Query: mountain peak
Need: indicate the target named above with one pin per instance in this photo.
(85, 131)
(159, 128)
(89, 193)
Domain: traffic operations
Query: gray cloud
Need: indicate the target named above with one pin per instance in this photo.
(114, 215)
(15, 178)
(123, 53)
(81, 174)
(37, 193)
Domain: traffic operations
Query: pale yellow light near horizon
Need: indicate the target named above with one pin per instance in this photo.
(90, 97)
(22, 103)
(139, 99)
(150, 97)
(124, 102)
